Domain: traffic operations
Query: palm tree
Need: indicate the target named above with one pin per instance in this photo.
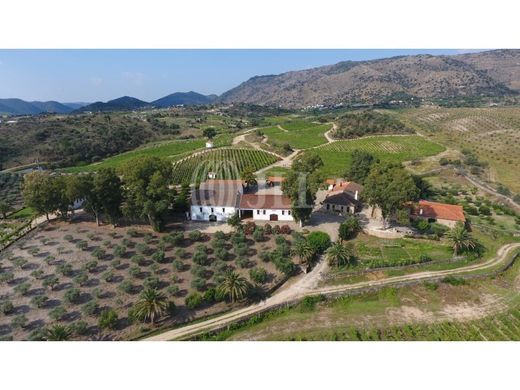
(304, 251)
(233, 286)
(151, 305)
(461, 239)
(339, 254)
(58, 333)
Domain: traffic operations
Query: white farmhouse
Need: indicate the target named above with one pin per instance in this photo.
(266, 207)
(216, 200)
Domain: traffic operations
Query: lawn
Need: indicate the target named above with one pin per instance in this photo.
(337, 156)
(298, 134)
(96, 268)
(168, 149)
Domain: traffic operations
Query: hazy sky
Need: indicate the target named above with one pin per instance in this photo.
(92, 75)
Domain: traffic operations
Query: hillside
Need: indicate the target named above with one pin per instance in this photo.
(124, 103)
(183, 98)
(422, 76)
(22, 107)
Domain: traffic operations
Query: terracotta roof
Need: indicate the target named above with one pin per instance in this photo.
(436, 210)
(276, 179)
(275, 202)
(330, 182)
(347, 186)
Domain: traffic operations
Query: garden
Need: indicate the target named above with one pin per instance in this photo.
(90, 281)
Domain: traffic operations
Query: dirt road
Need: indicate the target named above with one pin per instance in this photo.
(307, 286)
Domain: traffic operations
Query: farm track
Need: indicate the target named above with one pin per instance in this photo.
(307, 286)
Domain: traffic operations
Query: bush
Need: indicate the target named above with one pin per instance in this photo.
(19, 321)
(138, 259)
(39, 301)
(108, 319)
(91, 266)
(126, 286)
(178, 265)
(279, 240)
(221, 254)
(422, 225)
(258, 275)
(349, 228)
(220, 235)
(265, 256)
(98, 253)
(68, 238)
(484, 210)
(180, 253)
(198, 283)
(82, 245)
(151, 283)
(72, 296)
(172, 290)
(454, 281)
(424, 258)
(90, 308)
(319, 241)
(198, 270)
(195, 235)
(58, 313)
(194, 300)
(249, 228)
(240, 249)
(6, 307)
(147, 238)
(108, 276)
(132, 232)
(64, 269)
(23, 288)
(120, 251)
(258, 234)
(81, 279)
(268, 229)
(116, 263)
(242, 262)
(134, 271)
(285, 229)
(79, 328)
(200, 258)
(158, 256)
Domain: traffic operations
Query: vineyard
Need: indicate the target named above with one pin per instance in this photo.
(385, 148)
(225, 163)
(10, 190)
(492, 134)
(298, 134)
(168, 149)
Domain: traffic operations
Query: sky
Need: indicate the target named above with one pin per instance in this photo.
(101, 75)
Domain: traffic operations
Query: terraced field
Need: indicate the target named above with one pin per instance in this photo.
(226, 163)
(336, 156)
(298, 134)
(168, 149)
(492, 134)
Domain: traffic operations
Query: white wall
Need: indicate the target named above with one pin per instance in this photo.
(265, 217)
(197, 215)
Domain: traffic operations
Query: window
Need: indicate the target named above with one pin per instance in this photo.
(264, 212)
(200, 208)
(212, 210)
(328, 206)
(289, 212)
(257, 212)
(223, 209)
(283, 212)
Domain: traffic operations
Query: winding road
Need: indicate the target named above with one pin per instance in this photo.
(308, 286)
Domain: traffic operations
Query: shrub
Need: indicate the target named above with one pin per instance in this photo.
(194, 300)
(285, 229)
(200, 258)
(126, 286)
(221, 254)
(178, 265)
(258, 234)
(180, 253)
(91, 266)
(198, 271)
(132, 232)
(115, 263)
(151, 282)
(91, 236)
(98, 253)
(134, 271)
(120, 251)
(51, 281)
(349, 228)
(220, 235)
(268, 229)
(242, 262)
(39, 301)
(198, 283)
(107, 243)
(147, 238)
(79, 328)
(454, 281)
(172, 290)
(49, 259)
(432, 286)
(249, 228)
(108, 319)
(142, 248)
(90, 308)
(258, 275)
(128, 243)
(68, 238)
(219, 244)
(37, 273)
(138, 259)
(6, 307)
(82, 245)
(319, 241)
(108, 276)
(81, 279)
(265, 256)
(58, 313)
(424, 258)
(19, 321)
(158, 256)
(20, 262)
(72, 296)
(210, 295)
(238, 238)
(195, 235)
(23, 288)
(240, 249)
(64, 269)
(220, 265)
(484, 210)
(276, 229)
(279, 240)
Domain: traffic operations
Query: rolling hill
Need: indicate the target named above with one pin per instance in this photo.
(184, 98)
(22, 107)
(422, 76)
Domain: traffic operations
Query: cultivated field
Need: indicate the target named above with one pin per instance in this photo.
(70, 273)
(336, 156)
(10, 190)
(226, 163)
(168, 149)
(492, 134)
(298, 134)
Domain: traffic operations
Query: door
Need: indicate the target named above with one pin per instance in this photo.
(213, 218)
(273, 217)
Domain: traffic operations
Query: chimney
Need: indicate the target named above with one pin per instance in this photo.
(356, 195)
(421, 211)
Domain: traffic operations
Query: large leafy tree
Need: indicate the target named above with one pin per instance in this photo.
(108, 188)
(40, 192)
(349, 228)
(234, 286)
(360, 166)
(5, 207)
(340, 254)
(146, 183)
(389, 187)
(209, 132)
(151, 305)
(461, 239)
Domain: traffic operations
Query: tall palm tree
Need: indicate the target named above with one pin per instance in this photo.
(233, 286)
(339, 254)
(58, 333)
(151, 305)
(304, 251)
(461, 239)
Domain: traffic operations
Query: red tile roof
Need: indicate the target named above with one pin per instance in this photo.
(347, 186)
(330, 182)
(436, 210)
(274, 202)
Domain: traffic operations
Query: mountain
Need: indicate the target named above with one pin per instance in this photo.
(423, 76)
(184, 98)
(18, 107)
(125, 103)
(52, 106)
(76, 105)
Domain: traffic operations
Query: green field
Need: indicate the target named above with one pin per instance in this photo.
(336, 156)
(227, 163)
(298, 134)
(167, 149)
